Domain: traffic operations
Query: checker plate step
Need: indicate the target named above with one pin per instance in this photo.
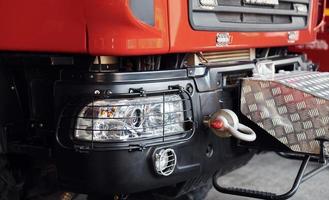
(292, 107)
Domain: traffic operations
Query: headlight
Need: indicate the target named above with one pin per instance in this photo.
(129, 119)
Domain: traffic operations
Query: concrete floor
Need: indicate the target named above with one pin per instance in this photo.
(272, 173)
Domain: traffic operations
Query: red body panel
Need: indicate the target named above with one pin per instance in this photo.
(108, 27)
(318, 51)
(185, 39)
(113, 29)
(42, 25)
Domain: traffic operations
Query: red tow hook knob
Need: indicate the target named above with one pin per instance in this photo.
(217, 124)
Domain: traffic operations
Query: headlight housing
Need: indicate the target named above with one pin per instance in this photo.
(129, 119)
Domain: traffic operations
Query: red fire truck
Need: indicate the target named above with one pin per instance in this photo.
(120, 98)
(318, 49)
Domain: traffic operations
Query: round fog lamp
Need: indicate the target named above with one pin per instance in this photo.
(165, 162)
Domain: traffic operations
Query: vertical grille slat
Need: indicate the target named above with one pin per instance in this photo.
(230, 15)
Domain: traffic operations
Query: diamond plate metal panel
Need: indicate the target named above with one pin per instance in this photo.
(292, 107)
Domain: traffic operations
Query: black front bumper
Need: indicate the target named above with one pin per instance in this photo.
(128, 167)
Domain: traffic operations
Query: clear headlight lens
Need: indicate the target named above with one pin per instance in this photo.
(129, 119)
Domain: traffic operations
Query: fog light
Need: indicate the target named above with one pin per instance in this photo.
(165, 162)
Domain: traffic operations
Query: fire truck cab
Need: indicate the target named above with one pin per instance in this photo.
(121, 98)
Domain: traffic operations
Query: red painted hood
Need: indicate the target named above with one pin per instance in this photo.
(108, 27)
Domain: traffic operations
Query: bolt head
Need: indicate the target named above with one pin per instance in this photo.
(108, 92)
(97, 92)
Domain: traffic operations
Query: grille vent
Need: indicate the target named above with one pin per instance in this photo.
(229, 15)
(222, 57)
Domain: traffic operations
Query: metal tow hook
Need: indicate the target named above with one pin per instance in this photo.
(225, 123)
